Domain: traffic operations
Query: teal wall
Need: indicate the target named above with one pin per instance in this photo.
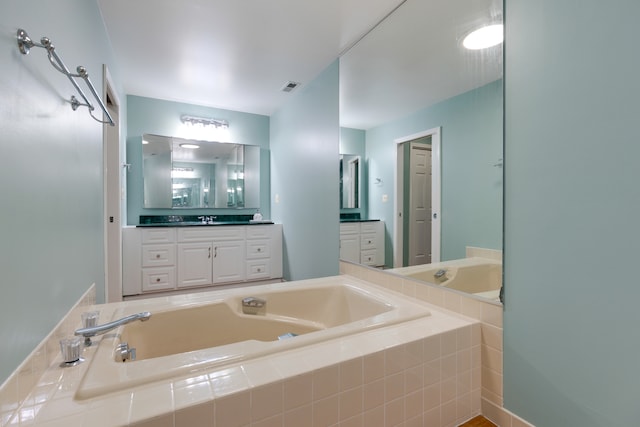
(471, 144)
(304, 176)
(353, 141)
(572, 209)
(51, 249)
(155, 116)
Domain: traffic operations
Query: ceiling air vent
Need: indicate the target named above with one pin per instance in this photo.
(289, 86)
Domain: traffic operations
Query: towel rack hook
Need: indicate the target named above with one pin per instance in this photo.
(25, 43)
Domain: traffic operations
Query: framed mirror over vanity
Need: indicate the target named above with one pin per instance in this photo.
(183, 173)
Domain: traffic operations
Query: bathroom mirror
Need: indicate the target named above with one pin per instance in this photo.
(411, 74)
(350, 181)
(187, 174)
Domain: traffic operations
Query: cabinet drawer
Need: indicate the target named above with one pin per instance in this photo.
(368, 257)
(258, 249)
(350, 228)
(370, 227)
(368, 241)
(214, 233)
(258, 270)
(158, 235)
(158, 279)
(158, 255)
(258, 231)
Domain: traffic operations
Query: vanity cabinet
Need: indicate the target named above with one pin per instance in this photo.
(350, 242)
(171, 258)
(158, 260)
(362, 242)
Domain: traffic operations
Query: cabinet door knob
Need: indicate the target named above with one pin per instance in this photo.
(157, 279)
(158, 256)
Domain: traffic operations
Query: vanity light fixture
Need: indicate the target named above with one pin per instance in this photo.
(484, 37)
(204, 121)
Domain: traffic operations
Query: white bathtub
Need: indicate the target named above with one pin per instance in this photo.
(209, 331)
(478, 276)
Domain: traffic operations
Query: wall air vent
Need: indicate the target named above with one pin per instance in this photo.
(289, 86)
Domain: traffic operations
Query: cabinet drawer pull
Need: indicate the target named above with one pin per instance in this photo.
(158, 256)
(157, 279)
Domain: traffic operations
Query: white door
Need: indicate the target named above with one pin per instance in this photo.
(228, 262)
(402, 210)
(420, 204)
(112, 195)
(194, 264)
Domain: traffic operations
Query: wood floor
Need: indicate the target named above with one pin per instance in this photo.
(478, 421)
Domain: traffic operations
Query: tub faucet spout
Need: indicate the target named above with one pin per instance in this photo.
(87, 333)
(440, 273)
(252, 305)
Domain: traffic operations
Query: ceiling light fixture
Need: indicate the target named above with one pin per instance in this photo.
(484, 37)
(192, 146)
(204, 121)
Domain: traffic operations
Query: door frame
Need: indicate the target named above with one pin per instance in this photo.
(398, 235)
(112, 182)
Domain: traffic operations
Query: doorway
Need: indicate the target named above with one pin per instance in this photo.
(417, 202)
(113, 194)
(417, 206)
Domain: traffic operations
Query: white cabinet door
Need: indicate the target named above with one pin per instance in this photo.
(194, 264)
(350, 247)
(228, 262)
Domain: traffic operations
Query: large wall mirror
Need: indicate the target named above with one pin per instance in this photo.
(182, 174)
(412, 74)
(350, 181)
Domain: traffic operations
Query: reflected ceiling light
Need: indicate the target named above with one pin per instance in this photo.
(204, 121)
(482, 38)
(192, 146)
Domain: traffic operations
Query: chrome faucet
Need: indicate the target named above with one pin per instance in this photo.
(87, 333)
(207, 219)
(440, 274)
(252, 305)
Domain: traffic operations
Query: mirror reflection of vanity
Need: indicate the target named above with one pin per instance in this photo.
(180, 174)
(410, 75)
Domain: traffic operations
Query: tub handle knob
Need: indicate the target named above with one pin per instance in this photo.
(124, 353)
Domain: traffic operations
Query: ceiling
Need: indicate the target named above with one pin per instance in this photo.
(238, 54)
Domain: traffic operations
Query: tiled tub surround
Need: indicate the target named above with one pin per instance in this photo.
(489, 313)
(424, 371)
(21, 388)
(474, 275)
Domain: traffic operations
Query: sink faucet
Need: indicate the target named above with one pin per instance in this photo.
(87, 333)
(207, 219)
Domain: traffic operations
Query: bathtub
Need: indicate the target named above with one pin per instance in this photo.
(478, 276)
(209, 331)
